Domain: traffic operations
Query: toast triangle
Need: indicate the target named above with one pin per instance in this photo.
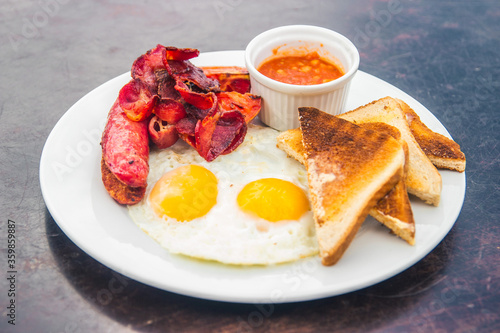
(349, 170)
(423, 179)
(443, 152)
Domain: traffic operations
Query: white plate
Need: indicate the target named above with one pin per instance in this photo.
(70, 179)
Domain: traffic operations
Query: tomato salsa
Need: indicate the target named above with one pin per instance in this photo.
(301, 70)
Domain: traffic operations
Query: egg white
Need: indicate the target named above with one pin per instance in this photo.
(226, 233)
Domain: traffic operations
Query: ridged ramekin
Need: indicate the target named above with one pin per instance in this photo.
(282, 100)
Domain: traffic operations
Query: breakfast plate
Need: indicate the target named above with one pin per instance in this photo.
(70, 179)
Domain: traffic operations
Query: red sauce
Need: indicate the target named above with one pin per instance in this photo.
(301, 70)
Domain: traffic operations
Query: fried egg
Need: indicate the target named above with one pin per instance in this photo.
(250, 207)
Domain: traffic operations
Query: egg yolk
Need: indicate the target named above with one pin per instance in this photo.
(185, 193)
(273, 200)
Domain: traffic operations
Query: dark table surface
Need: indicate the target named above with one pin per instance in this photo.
(444, 54)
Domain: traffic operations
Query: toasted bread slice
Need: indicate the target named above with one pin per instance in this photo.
(349, 170)
(291, 143)
(394, 209)
(443, 152)
(422, 179)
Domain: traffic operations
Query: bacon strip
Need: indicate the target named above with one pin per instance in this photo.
(185, 71)
(248, 104)
(169, 110)
(136, 100)
(230, 78)
(173, 53)
(166, 85)
(146, 65)
(200, 100)
(186, 130)
(219, 133)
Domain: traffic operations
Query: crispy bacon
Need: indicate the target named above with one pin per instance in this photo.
(136, 100)
(189, 102)
(173, 53)
(200, 100)
(248, 104)
(186, 72)
(221, 125)
(186, 130)
(230, 78)
(169, 110)
(145, 66)
(231, 122)
(219, 133)
(166, 85)
(187, 127)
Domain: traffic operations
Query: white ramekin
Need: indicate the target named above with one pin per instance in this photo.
(282, 100)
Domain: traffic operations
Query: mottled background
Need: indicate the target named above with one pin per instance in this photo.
(444, 54)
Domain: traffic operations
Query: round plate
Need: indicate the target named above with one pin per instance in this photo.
(70, 179)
